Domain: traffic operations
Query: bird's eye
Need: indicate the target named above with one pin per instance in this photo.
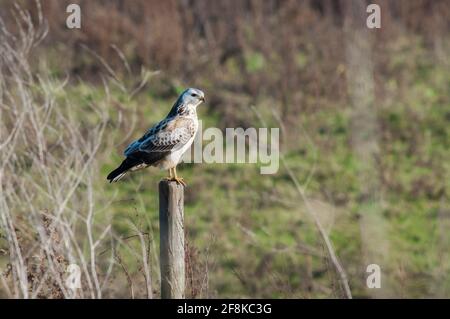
(194, 95)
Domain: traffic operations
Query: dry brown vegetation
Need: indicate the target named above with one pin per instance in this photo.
(364, 121)
(258, 40)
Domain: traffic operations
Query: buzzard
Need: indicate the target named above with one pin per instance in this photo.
(164, 143)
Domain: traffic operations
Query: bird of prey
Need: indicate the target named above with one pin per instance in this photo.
(165, 142)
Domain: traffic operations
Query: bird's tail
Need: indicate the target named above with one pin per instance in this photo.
(122, 170)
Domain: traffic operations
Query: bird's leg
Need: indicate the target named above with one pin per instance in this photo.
(177, 179)
(170, 177)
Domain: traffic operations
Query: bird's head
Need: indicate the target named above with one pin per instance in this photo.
(192, 97)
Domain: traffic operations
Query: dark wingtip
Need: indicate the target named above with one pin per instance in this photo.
(113, 174)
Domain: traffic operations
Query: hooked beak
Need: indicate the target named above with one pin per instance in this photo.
(202, 99)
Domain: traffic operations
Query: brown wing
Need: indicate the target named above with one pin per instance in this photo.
(164, 138)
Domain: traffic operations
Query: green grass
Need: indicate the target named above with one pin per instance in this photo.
(247, 227)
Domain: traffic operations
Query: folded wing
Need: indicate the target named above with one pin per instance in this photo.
(167, 136)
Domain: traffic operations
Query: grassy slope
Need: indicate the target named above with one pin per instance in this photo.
(251, 230)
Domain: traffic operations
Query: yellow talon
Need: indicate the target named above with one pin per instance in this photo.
(170, 177)
(177, 179)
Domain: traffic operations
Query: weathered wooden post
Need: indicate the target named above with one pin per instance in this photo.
(171, 223)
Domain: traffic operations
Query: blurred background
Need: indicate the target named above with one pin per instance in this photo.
(364, 118)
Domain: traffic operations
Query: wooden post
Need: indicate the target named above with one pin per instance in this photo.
(171, 223)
